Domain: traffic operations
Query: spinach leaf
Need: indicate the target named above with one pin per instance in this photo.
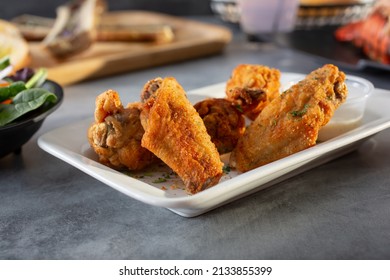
(11, 90)
(4, 62)
(24, 102)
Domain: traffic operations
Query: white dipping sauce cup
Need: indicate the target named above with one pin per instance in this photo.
(350, 114)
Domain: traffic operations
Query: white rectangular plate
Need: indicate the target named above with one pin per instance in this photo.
(69, 144)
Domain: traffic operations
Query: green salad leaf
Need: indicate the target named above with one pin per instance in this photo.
(11, 90)
(24, 102)
(4, 62)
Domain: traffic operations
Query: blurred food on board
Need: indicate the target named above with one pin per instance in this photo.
(80, 23)
(74, 28)
(36, 28)
(13, 45)
(109, 42)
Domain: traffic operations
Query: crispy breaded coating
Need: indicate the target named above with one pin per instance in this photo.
(290, 123)
(252, 87)
(117, 132)
(176, 134)
(224, 123)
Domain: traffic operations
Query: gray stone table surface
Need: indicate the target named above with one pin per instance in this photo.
(339, 210)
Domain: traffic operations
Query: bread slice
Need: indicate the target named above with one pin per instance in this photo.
(12, 44)
(74, 29)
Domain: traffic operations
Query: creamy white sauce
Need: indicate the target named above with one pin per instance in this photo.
(337, 127)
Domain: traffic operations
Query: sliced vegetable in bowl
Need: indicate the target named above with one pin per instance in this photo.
(24, 102)
(18, 97)
(5, 67)
(26, 99)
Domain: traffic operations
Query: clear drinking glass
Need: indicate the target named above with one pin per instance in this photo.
(264, 16)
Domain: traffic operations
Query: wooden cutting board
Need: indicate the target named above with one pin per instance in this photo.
(192, 39)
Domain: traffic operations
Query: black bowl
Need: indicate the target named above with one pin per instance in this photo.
(14, 135)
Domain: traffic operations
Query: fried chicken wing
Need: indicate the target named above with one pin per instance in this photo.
(224, 123)
(252, 87)
(117, 132)
(290, 123)
(176, 134)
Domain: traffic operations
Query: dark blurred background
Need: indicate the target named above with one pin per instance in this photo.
(12, 8)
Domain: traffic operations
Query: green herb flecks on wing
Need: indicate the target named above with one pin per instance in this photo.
(24, 102)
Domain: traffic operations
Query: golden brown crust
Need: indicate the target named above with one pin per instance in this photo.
(176, 134)
(117, 132)
(224, 123)
(252, 87)
(290, 123)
